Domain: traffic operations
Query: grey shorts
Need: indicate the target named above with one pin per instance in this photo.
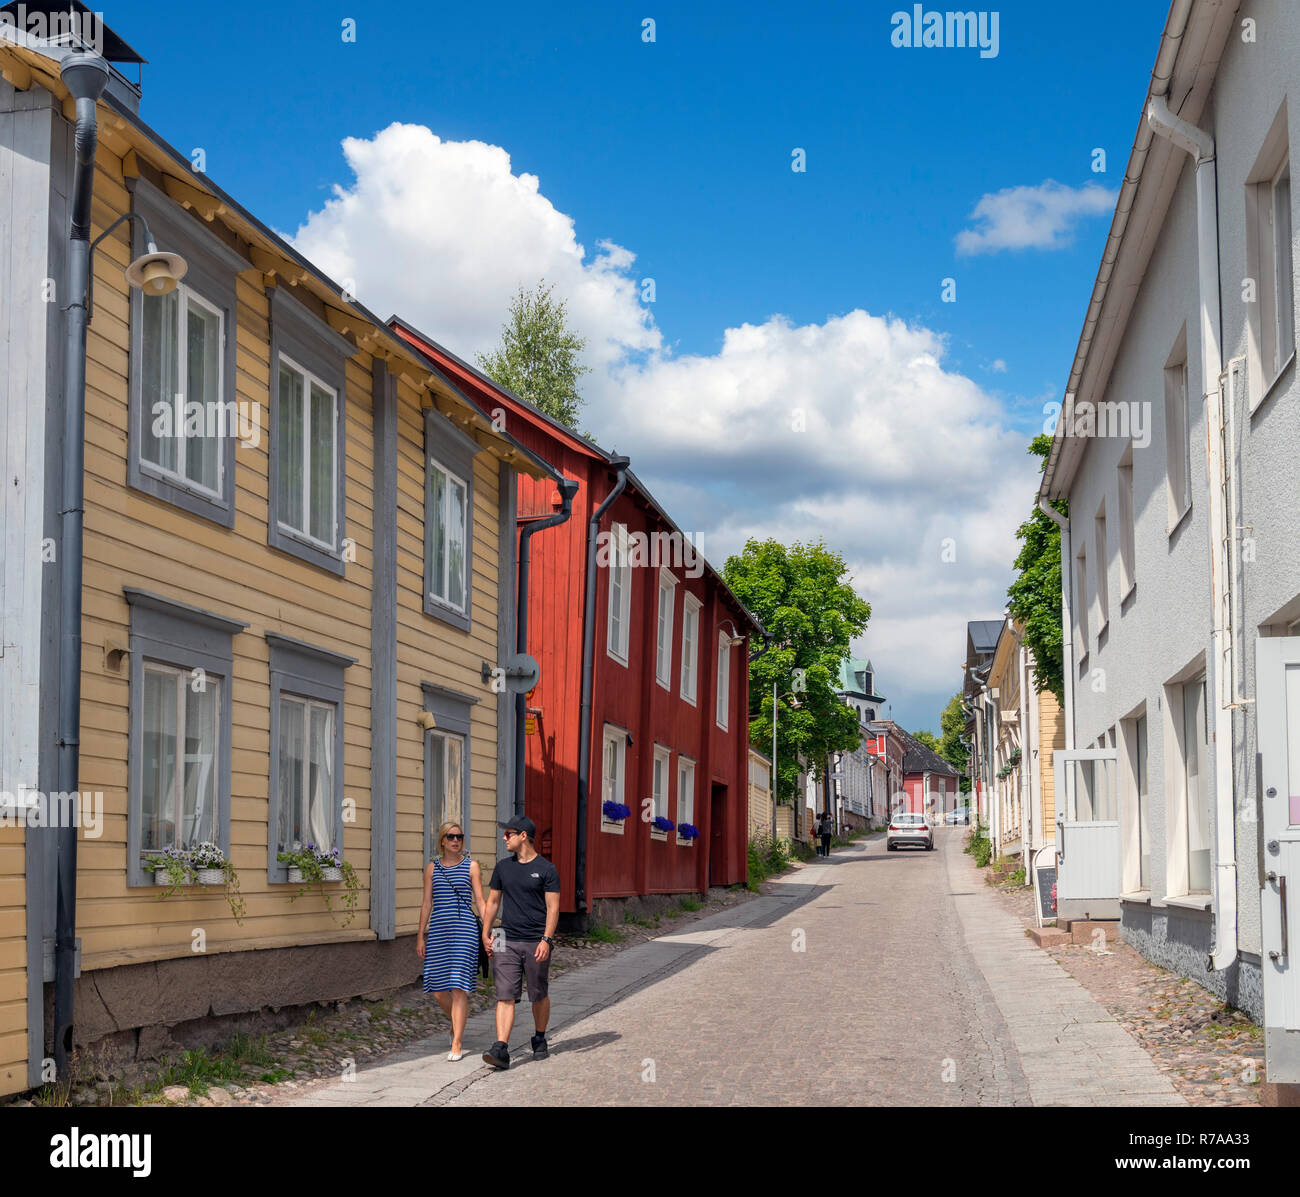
(514, 962)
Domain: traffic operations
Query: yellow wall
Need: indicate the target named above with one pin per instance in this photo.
(13, 962)
(1051, 735)
(134, 540)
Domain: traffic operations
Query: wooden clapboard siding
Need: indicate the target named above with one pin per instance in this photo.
(132, 539)
(430, 650)
(13, 962)
(1051, 736)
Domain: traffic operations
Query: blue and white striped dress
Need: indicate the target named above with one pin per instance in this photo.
(451, 951)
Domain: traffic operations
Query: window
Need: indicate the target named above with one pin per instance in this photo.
(1196, 787)
(1103, 564)
(613, 772)
(448, 533)
(663, 762)
(690, 645)
(724, 679)
(620, 595)
(306, 783)
(448, 522)
(308, 360)
(446, 763)
(1143, 803)
(685, 796)
(1271, 315)
(1127, 553)
(306, 419)
(1177, 435)
(1081, 603)
(184, 420)
(178, 745)
(664, 633)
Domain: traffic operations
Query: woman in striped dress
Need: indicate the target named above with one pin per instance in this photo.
(453, 895)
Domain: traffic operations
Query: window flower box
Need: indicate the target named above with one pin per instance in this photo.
(659, 823)
(687, 831)
(616, 812)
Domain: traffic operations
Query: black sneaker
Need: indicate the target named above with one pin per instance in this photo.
(540, 1050)
(498, 1055)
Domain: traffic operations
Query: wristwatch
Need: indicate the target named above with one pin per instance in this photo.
(549, 940)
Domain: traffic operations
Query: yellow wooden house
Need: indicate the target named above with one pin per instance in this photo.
(298, 574)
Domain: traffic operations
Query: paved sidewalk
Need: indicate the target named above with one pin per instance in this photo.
(1072, 1051)
(421, 1074)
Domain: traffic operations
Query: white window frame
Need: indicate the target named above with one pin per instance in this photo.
(1178, 442)
(308, 379)
(309, 705)
(617, 635)
(1103, 570)
(722, 713)
(615, 737)
(1081, 603)
(664, 629)
(445, 599)
(180, 680)
(440, 742)
(1127, 530)
(176, 477)
(691, 607)
(660, 780)
(1270, 263)
(685, 797)
(1202, 799)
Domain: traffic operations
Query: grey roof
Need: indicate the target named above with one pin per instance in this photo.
(983, 634)
(920, 759)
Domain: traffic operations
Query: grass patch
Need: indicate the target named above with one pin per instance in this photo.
(691, 905)
(766, 859)
(604, 933)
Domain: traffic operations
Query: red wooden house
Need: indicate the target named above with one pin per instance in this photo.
(667, 729)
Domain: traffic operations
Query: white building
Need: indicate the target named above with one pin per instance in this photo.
(1177, 450)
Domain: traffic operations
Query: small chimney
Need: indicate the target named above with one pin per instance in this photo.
(63, 27)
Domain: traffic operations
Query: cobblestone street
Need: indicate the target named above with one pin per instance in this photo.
(909, 983)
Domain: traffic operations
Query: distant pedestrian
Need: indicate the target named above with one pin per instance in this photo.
(453, 895)
(826, 829)
(527, 888)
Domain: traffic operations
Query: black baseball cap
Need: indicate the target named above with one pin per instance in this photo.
(522, 823)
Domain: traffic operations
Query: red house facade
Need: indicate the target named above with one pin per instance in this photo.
(669, 679)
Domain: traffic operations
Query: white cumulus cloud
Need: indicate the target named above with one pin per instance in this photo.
(1041, 217)
(904, 467)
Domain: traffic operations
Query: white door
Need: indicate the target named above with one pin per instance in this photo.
(1087, 832)
(1277, 674)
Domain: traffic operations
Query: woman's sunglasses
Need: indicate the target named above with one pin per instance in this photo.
(451, 835)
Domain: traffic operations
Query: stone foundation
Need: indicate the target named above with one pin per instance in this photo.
(146, 1011)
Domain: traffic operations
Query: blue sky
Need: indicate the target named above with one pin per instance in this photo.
(680, 151)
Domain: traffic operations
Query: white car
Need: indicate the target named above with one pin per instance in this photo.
(907, 828)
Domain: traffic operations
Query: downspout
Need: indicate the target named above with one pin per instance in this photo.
(1200, 145)
(568, 488)
(588, 662)
(85, 76)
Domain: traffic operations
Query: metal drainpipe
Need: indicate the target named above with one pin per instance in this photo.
(588, 661)
(1200, 145)
(568, 488)
(85, 76)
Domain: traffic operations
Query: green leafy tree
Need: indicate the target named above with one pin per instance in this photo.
(928, 738)
(952, 724)
(538, 357)
(803, 598)
(1036, 593)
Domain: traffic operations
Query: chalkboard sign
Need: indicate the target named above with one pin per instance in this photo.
(1046, 879)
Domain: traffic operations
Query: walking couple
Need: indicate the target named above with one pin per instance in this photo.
(526, 888)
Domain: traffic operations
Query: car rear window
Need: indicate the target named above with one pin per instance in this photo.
(909, 819)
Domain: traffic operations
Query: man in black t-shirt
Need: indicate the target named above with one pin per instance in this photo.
(527, 888)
